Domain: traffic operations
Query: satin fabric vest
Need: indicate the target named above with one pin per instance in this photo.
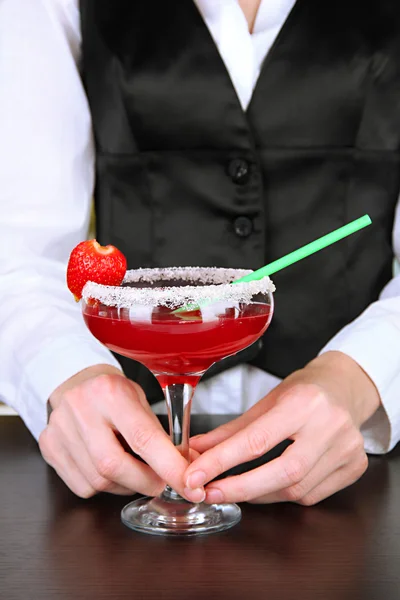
(186, 177)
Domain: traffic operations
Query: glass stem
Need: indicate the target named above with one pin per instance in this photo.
(179, 402)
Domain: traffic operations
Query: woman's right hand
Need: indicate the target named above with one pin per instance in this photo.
(80, 441)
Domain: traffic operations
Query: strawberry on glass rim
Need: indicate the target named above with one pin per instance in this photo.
(89, 261)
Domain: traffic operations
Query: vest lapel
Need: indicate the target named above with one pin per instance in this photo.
(319, 48)
(168, 58)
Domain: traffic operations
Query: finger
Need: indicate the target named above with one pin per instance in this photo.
(70, 470)
(193, 455)
(116, 465)
(247, 444)
(148, 439)
(349, 450)
(144, 402)
(92, 465)
(73, 477)
(289, 470)
(339, 480)
(118, 490)
(111, 464)
(205, 441)
(65, 429)
(86, 467)
(57, 457)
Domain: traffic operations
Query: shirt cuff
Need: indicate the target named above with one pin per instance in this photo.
(59, 361)
(375, 345)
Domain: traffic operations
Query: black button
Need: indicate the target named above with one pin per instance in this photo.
(239, 171)
(243, 226)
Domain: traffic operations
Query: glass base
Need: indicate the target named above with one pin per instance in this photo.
(169, 514)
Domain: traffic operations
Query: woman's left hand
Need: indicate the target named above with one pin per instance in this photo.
(321, 408)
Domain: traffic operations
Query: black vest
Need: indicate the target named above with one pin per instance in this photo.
(185, 177)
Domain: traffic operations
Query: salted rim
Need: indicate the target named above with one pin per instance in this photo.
(218, 287)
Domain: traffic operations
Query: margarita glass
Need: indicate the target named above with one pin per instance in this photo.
(178, 322)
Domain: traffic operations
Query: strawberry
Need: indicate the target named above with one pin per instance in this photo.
(89, 261)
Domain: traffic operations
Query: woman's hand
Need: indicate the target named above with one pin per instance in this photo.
(80, 441)
(321, 408)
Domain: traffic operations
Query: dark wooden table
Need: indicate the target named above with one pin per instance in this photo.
(54, 545)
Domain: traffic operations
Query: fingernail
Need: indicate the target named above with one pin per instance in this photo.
(197, 495)
(214, 496)
(196, 479)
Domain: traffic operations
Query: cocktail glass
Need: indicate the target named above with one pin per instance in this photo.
(178, 322)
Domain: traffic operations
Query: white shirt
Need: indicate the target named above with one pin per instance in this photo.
(46, 186)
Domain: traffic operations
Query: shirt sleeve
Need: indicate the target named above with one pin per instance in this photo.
(47, 175)
(373, 341)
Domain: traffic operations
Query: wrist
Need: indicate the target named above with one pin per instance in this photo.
(351, 385)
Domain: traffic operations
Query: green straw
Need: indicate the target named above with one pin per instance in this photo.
(307, 250)
(293, 257)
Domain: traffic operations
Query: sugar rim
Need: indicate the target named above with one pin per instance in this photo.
(218, 287)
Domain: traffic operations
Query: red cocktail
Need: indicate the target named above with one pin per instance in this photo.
(178, 322)
(168, 344)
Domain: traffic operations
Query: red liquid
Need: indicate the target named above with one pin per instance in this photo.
(174, 345)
